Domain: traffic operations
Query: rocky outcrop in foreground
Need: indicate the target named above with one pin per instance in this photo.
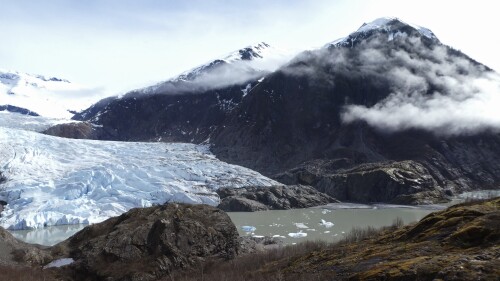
(404, 182)
(257, 198)
(148, 243)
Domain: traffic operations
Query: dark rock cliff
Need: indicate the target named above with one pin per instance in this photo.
(249, 199)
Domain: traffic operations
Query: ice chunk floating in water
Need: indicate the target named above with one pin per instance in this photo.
(56, 181)
(248, 228)
(59, 263)
(299, 234)
(326, 224)
(300, 225)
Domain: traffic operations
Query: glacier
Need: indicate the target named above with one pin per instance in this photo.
(58, 181)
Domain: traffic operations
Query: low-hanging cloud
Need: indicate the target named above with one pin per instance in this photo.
(442, 114)
(433, 88)
(219, 74)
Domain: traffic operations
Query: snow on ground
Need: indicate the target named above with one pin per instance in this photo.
(57, 181)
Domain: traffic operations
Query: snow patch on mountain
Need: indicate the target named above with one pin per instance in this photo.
(388, 25)
(49, 97)
(385, 24)
(258, 57)
(248, 63)
(57, 181)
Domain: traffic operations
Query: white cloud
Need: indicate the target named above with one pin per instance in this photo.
(432, 89)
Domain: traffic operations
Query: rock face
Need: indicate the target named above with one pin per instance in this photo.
(80, 130)
(252, 199)
(148, 243)
(19, 110)
(2, 178)
(2, 203)
(405, 182)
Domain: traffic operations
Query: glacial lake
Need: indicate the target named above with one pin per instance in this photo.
(328, 223)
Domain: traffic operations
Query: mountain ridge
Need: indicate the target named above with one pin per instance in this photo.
(46, 96)
(335, 106)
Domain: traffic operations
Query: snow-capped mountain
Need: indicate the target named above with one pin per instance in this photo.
(50, 97)
(391, 27)
(260, 51)
(210, 91)
(248, 63)
(53, 181)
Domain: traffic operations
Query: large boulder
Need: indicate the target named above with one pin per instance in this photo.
(259, 198)
(148, 243)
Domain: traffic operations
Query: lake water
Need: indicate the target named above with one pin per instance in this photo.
(328, 223)
(48, 235)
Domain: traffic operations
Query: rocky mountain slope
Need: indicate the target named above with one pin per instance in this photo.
(386, 94)
(337, 108)
(262, 198)
(187, 108)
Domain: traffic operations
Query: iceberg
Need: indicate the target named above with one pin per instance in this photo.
(248, 228)
(299, 234)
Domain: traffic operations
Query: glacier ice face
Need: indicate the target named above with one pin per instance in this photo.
(57, 181)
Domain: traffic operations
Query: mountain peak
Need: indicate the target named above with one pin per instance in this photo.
(390, 23)
(391, 26)
(256, 51)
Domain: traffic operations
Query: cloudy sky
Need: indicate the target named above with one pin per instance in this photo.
(124, 44)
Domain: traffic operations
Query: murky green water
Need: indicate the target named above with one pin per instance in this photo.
(48, 235)
(329, 223)
(338, 219)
